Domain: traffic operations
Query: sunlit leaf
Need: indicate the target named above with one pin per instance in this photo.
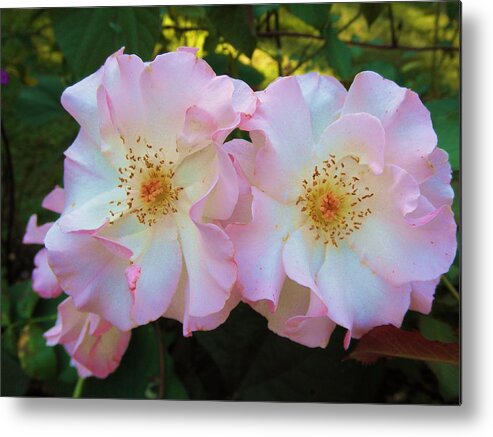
(316, 15)
(232, 23)
(338, 54)
(36, 359)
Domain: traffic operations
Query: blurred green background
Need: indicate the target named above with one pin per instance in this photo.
(45, 50)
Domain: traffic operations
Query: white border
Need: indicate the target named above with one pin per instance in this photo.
(182, 419)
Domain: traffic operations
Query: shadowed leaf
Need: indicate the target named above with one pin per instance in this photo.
(389, 341)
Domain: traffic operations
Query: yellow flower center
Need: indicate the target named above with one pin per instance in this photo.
(148, 184)
(335, 200)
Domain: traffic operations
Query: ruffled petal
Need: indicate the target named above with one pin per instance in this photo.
(160, 267)
(178, 310)
(92, 274)
(94, 351)
(356, 297)
(35, 234)
(324, 97)
(90, 185)
(55, 200)
(436, 188)
(45, 282)
(300, 316)
(403, 250)
(375, 95)
(410, 137)
(303, 256)
(259, 247)
(422, 295)
(208, 257)
(281, 128)
(359, 135)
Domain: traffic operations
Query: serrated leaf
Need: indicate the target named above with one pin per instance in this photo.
(39, 104)
(316, 15)
(338, 54)
(371, 12)
(446, 122)
(389, 341)
(36, 359)
(87, 36)
(231, 22)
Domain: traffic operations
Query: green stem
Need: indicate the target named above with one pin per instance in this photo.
(78, 388)
(450, 287)
(36, 320)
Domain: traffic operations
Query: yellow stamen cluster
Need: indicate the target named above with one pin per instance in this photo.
(335, 201)
(147, 182)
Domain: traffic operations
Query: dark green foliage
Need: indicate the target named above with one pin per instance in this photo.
(87, 35)
(232, 23)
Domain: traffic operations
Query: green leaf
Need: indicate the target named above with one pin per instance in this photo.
(259, 10)
(26, 299)
(338, 54)
(448, 375)
(256, 364)
(219, 63)
(371, 12)
(39, 104)
(87, 36)
(193, 12)
(14, 381)
(232, 23)
(316, 15)
(37, 359)
(446, 121)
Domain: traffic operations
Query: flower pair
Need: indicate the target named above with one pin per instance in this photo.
(337, 212)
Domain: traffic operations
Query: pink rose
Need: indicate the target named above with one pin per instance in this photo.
(147, 185)
(44, 282)
(352, 222)
(95, 346)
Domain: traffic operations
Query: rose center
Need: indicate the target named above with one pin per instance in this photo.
(335, 200)
(147, 180)
(151, 189)
(329, 206)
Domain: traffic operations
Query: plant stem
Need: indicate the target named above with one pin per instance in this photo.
(159, 337)
(450, 287)
(78, 388)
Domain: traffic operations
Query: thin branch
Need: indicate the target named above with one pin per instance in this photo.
(351, 21)
(9, 178)
(450, 287)
(302, 61)
(278, 45)
(368, 45)
(393, 35)
(159, 337)
(434, 54)
(356, 43)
